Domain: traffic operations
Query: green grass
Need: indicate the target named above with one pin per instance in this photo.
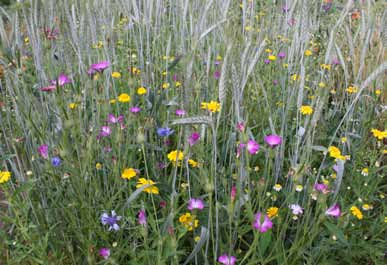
(205, 51)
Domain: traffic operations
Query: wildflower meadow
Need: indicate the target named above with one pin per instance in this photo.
(197, 132)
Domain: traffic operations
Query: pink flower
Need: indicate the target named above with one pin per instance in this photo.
(135, 109)
(240, 126)
(262, 226)
(43, 151)
(195, 204)
(252, 147)
(105, 131)
(227, 260)
(321, 188)
(180, 112)
(273, 140)
(194, 138)
(62, 80)
(334, 210)
(233, 192)
(142, 217)
(48, 88)
(216, 74)
(114, 119)
(98, 67)
(104, 252)
(296, 209)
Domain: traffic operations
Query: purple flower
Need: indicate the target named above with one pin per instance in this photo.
(114, 119)
(194, 138)
(174, 77)
(233, 192)
(135, 109)
(266, 61)
(335, 61)
(43, 151)
(216, 74)
(105, 131)
(334, 210)
(55, 161)
(264, 226)
(281, 55)
(164, 132)
(195, 204)
(275, 82)
(292, 22)
(142, 217)
(98, 67)
(180, 112)
(321, 188)
(273, 140)
(227, 260)
(285, 8)
(111, 220)
(48, 88)
(104, 252)
(240, 126)
(296, 209)
(327, 7)
(252, 147)
(62, 80)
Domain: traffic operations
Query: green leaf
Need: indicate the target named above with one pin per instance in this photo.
(337, 232)
(264, 241)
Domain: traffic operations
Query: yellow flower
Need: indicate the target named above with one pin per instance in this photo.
(343, 140)
(336, 153)
(112, 101)
(356, 212)
(326, 66)
(128, 173)
(212, 106)
(189, 221)
(321, 85)
(365, 171)
(379, 134)
(26, 40)
(385, 219)
(177, 84)
(272, 57)
(277, 187)
(248, 28)
(351, 90)
(72, 105)
(366, 207)
(193, 163)
(164, 73)
(197, 238)
(333, 91)
(98, 166)
(378, 92)
(124, 97)
(116, 75)
(272, 212)
(98, 45)
(218, 58)
(4, 176)
(175, 155)
(268, 51)
(306, 110)
(166, 85)
(141, 91)
(296, 77)
(151, 189)
(308, 53)
(299, 188)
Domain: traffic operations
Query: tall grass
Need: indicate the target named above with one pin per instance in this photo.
(216, 50)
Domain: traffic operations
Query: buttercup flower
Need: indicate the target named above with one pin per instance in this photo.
(111, 220)
(262, 225)
(356, 212)
(306, 110)
(141, 91)
(189, 221)
(211, 106)
(124, 98)
(128, 173)
(175, 155)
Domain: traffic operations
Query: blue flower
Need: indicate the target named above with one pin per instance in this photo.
(55, 161)
(111, 220)
(163, 132)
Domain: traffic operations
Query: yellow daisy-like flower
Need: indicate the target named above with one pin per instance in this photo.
(4, 176)
(356, 212)
(193, 163)
(378, 92)
(128, 173)
(308, 53)
(326, 66)
(116, 75)
(385, 219)
(306, 110)
(212, 106)
(98, 166)
(218, 58)
(178, 84)
(343, 140)
(351, 90)
(379, 134)
(299, 188)
(72, 105)
(112, 101)
(189, 221)
(296, 77)
(321, 84)
(175, 155)
(124, 98)
(272, 212)
(272, 57)
(366, 207)
(165, 85)
(152, 189)
(277, 187)
(336, 153)
(141, 91)
(268, 50)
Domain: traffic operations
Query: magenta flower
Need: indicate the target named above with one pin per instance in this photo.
(142, 217)
(98, 67)
(281, 55)
(105, 131)
(335, 61)
(195, 204)
(266, 61)
(62, 80)
(194, 138)
(264, 226)
(252, 147)
(227, 260)
(216, 74)
(43, 151)
(240, 126)
(233, 192)
(135, 109)
(104, 253)
(321, 188)
(48, 88)
(180, 112)
(114, 119)
(273, 140)
(334, 210)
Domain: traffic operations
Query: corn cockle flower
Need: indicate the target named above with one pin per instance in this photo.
(194, 138)
(105, 131)
(321, 188)
(111, 220)
(142, 217)
(180, 112)
(195, 204)
(104, 253)
(334, 210)
(135, 109)
(252, 147)
(43, 151)
(262, 225)
(273, 140)
(61, 81)
(98, 67)
(240, 126)
(233, 192)
(227, 260)
(113, 119)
